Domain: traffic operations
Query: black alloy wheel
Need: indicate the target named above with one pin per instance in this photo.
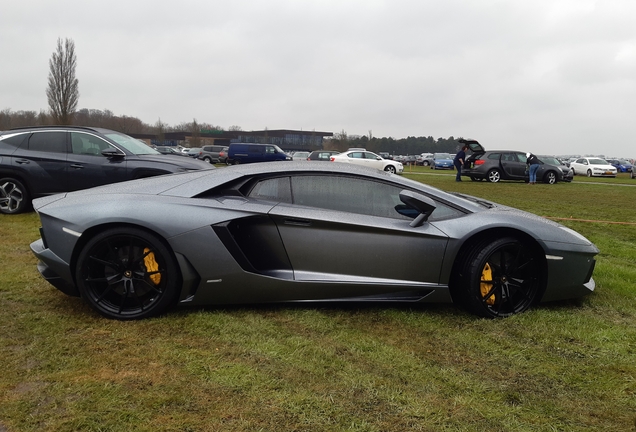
(493, 176)
(14, 197)
(501, 278)
(127, 273)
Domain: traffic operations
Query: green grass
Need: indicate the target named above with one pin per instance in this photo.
(566, 366)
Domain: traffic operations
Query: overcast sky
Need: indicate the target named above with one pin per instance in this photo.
(548, 76)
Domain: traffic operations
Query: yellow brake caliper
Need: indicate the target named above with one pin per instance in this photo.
(486, 284)
(153, 266)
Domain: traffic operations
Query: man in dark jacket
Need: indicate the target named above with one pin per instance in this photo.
(460, 157)
(533, 163)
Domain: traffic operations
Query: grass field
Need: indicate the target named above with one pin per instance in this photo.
(568, 366)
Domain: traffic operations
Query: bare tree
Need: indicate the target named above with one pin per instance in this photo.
(195, 130)
(62, 91)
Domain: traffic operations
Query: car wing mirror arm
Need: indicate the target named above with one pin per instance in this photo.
(423, 204)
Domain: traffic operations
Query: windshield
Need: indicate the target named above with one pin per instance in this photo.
(442, 156)
(598, 161)
(550, 160)
(129, 143)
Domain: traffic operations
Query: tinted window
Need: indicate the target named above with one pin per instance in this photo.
(348, 194)
(276, 189)
(522, 157)
(86, 144)
(13, 141)
(494, 155)
(48, 142)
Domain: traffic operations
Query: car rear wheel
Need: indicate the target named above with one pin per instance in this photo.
(501, 278)
(425, 163)
(550, 177)
(14, 197)
(390, 168)
(473, 178)
(127, 273)
(494, 176)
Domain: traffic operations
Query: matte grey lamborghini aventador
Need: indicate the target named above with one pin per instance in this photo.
(297, 231)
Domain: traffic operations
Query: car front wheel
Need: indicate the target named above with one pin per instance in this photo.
(127, 273)
(589, 173)
(207, 159)
(390, 168)
(500, 278)
(14, 197)
(550, 177)
(494, 176)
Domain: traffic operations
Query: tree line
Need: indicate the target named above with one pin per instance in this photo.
(403, 146)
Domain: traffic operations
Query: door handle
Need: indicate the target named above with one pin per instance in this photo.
(78, 166)
(22, 161)
(297, 222)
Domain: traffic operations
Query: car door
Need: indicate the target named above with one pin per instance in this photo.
(512, 166)
(373, 160)
(346, 230)
(87, 167)
(42, 161)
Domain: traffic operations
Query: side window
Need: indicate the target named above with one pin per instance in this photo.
(270, 149)
(13, 141)
(356, 155)
(370, 156)
(494, 156)
(54, 142)
(275, 189)
(347, 194)
(522, 157)
(86, 144)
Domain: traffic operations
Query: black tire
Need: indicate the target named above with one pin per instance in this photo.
(550, 177)
(500, 278)
(235, 162)
(589, 173)
(14, 196)
(425, 163)
(493, 176)
(473, 178)
(390, 169)
(207, 159)
(128, 273)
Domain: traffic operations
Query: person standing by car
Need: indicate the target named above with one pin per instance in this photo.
(460, 157)
(533, 163)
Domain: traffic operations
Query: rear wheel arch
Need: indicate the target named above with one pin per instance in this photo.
(119, 288)
(93, 231)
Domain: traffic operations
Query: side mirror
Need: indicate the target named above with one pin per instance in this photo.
(423, 204)
(111, 153)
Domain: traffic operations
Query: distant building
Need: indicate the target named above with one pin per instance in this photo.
(288, 140)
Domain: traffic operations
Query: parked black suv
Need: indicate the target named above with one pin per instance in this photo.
(499, 165)
(214, 154)
(39, 161)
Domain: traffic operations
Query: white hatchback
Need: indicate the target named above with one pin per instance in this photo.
(369, 159)
(593, 167)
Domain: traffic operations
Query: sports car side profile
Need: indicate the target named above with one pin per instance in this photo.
(292, 232)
